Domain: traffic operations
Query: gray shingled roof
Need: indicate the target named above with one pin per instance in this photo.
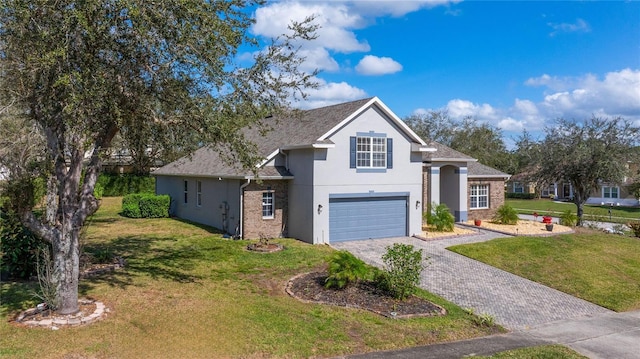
(300, 129)
(478, 170)
(444, 153)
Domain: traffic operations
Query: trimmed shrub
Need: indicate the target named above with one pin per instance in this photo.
(344, 269)
(440, 217)
(568, 218)
(115, 185)
(403, 266)
(506, 215)
(145, 205)
(520, 195)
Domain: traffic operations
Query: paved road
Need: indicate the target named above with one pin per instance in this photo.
(605, 336)
(535, 313)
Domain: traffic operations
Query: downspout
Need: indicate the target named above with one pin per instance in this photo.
(242, 187)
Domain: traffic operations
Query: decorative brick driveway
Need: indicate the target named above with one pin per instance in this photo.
(516, 303)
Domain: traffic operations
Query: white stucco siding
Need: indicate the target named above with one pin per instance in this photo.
(333, 174)
(219, 207)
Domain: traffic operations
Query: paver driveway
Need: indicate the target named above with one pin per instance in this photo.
(516, 303)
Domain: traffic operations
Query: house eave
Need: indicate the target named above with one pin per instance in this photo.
(445, 159)
(396, 120)
(224, 177)
(416, 147)
(310, 145)
(488, 176)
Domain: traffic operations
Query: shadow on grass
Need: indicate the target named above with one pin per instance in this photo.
(156, 257)
(17, 296)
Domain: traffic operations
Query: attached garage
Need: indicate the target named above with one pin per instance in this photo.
(365, 217)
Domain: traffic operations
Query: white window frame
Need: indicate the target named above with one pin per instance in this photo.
(268, 204)
(478, 192)
(185, 199)
(371, 152)
(198, 193)
(608, 193)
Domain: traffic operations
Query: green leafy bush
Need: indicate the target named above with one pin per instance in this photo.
(506, 215)
(635, 227)
(98, 191)
(568, 218)
(145, 205)
(344, 269)
(115, 185)
(18, 247)
(438, 215)
(403, 266)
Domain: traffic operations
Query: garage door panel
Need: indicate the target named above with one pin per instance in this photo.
(363, 218)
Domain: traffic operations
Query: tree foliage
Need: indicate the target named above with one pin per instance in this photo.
(587, 154)
(469, 136)
(163, 72)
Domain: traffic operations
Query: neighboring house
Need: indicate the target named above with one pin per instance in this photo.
(343, 172)
(617, 194)
(470, 189)
(606, 193)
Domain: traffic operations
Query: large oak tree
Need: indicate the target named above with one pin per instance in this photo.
(587, 154)
(162, 70)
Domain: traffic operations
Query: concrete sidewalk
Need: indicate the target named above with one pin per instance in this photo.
(611, 335)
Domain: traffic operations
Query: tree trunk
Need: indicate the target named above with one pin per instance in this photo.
(51, 207)
(66, 262)
(580, 211)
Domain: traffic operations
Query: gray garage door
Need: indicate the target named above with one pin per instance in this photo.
(370, 217)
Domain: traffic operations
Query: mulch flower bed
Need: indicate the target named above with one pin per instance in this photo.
(309, 287)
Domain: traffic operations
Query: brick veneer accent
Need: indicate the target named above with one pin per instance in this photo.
(496, 197)
(425, 191)
(253, 224)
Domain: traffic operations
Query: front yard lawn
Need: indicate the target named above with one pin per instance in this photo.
(601, 268)
(188, 293)
(546, 206)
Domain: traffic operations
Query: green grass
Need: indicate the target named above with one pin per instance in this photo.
(600, 268)
(591, 212)
(188, 293)
(539, 352)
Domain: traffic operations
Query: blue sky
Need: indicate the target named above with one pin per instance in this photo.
(515, 65)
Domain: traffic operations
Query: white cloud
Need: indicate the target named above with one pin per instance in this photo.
(579, 26)
(395, 8)
(331, 93)
(373, 65)
(337, 21)
(462, 108)
(617, 94)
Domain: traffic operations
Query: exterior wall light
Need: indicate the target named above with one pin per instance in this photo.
(319, 208)
(417, 204)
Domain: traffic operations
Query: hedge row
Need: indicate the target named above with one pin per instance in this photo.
(115, 185)
(521, 195)
(145, 205)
